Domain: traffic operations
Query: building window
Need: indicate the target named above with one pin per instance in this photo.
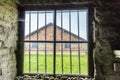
(61, 39)
(34, 45)
(67, 45)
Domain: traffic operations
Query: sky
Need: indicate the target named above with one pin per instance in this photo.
(68, 18)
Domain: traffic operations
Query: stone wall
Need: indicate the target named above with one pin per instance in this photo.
(107, 39)
(51, 1)
(8, 31)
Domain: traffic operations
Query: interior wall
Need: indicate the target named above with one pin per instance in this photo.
(107, 39)
(8, 32)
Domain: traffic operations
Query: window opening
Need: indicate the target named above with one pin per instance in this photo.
(34, 45)
(56, 42)
(67, 45)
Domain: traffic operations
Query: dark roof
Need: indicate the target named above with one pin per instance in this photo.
(51, 24)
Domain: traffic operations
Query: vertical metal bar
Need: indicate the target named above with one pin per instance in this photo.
(70, 24)
(90, 42)
(45, 43)
(37, 42)
(54, 58)
(29, 42)
(79, 65)
(62, 40)
(70, 40)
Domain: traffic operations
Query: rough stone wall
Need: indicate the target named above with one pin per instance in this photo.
(107, 39)
(51, 1)
(8, 31)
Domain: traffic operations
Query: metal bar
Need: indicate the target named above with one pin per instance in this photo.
(62, 40)
(63, 11)
(30, 7)
(70, 40)
(90, 42)
(37, 42)
(79, 65)
(52, 50)
(54, 58)
(45, 43)
(70, 24)
(29, 42)
(58, 41)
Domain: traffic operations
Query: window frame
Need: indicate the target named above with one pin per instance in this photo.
(21, 24)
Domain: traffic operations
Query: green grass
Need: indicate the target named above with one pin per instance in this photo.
(66, 64)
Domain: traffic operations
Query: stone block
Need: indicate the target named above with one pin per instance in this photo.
(2, 37)
(11, 39)
(4, 23)
(10, 43)
(4, 52)
(1, 29)
(0, 71)
(1, 78)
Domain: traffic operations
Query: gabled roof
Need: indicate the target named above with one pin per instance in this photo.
(51, 24)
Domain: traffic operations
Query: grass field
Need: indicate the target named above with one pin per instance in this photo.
(66, 64)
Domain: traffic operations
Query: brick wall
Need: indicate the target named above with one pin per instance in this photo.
(49, 37)
(8, 31)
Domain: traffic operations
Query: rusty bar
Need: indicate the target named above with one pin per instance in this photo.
(90, 43)
(54, 55)
(30, 7)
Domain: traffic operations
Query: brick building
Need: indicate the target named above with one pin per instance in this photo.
(46, 33)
